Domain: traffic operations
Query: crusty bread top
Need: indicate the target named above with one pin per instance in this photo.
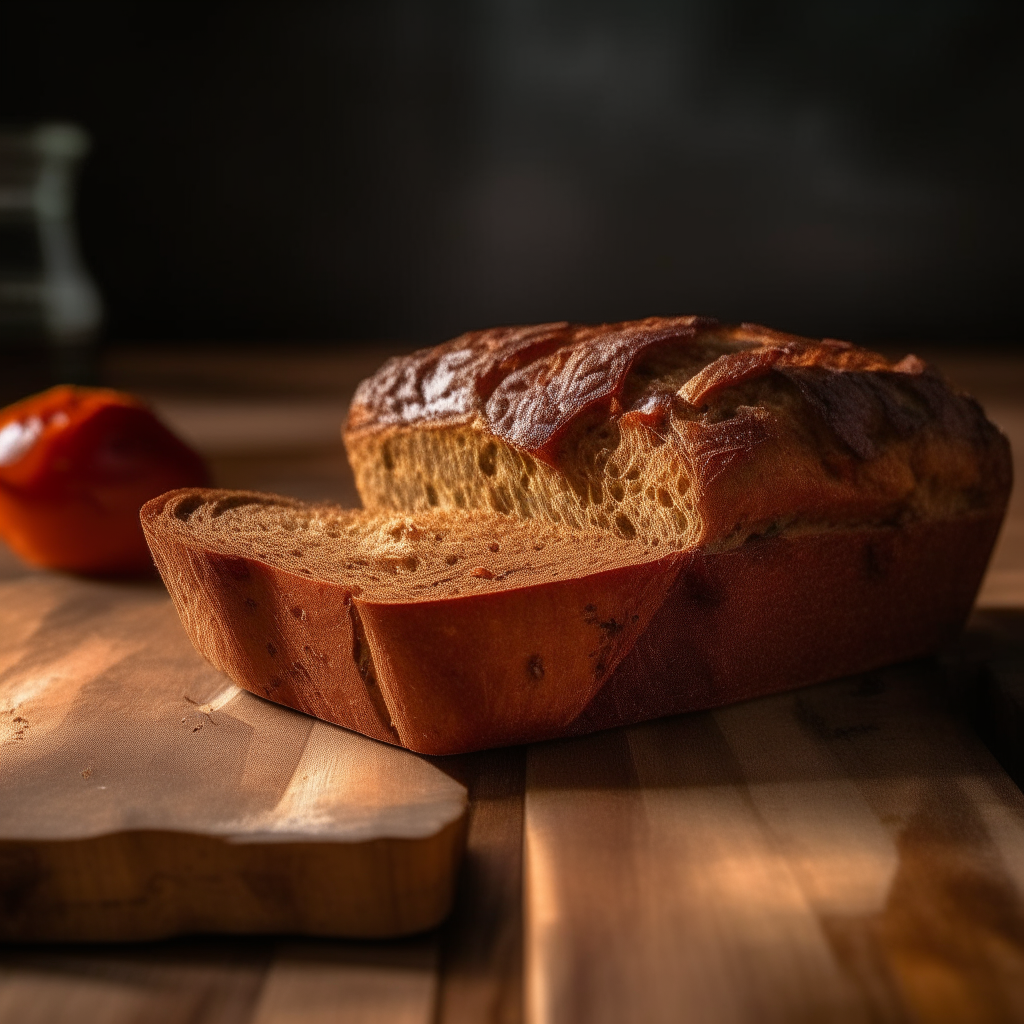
(678, 428)
(527, 385)
(385, 557)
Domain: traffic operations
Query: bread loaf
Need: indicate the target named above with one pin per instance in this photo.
(437, 631)
(645, 518)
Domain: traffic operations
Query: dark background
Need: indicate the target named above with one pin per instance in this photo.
(325, 171)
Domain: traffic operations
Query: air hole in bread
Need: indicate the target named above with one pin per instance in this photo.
(187, 506)
(236, 501)
(487, 459)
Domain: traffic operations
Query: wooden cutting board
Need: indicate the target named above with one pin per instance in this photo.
(143, 795)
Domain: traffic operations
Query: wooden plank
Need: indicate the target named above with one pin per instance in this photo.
(294, 370)
(846, 852)
(194, 981)
(481, 966)
(285, 446)
(142, 794)
(219, 981)
(339, 983)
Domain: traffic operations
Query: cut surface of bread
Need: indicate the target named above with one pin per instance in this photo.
(393, 557)
(680, 429)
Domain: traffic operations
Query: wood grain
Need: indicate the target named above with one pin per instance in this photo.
(482, 942)
(207, 980)
(847, 852)
(340, 983)
(142, 794)
(198, 981)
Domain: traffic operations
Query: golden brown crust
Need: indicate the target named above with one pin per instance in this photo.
(776, 614)
(527, 385)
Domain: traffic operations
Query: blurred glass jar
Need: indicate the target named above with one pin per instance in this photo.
(50, 309)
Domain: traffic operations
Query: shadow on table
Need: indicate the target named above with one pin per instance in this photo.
(987, 683)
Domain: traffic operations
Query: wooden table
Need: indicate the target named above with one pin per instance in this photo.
(853, 851)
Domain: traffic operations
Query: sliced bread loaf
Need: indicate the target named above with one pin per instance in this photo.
(437, 631)
(573, 527)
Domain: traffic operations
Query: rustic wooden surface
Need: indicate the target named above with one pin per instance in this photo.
(144, 795)
(847, 852)
(852, 852)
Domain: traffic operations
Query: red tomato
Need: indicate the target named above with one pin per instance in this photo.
(76, 465)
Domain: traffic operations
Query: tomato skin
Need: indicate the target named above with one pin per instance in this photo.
(92, 458)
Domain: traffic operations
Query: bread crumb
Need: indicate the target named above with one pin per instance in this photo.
(482, 573)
